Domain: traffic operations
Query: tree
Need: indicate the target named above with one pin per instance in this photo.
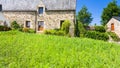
(111, 10)
(84, 16)
(80, 30)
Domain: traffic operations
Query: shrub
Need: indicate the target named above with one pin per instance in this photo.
(20, 29)
(64, 31)
(81, 29)
(4, 28)
(65, 26)
(15, 25)
(60, 33)
(114, 36)
(55, 32)
(100, 29)
(28, 30)
(1, 28)
(31, 31)
(49, 32)
(97, 35)
(25, 29)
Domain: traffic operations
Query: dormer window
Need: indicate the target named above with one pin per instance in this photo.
(0, 8)
(40, 10)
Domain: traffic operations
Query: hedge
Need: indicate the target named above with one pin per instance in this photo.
(114, 36)
(55, 32)
(97, 35)
(4, 28)
(100, 29)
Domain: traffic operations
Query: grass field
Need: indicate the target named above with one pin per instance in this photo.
(23, 50)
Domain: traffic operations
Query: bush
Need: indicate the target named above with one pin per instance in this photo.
(55, 32)
(28, 30)
(14, 25)
(114, 36)
(25, 29)
(4, 28)
(49, 31)
(97, 35)
(100, 29)
(65, 26)
(20, 29)
(64, 31)
(1, 28)
(60, 33)
(31, 31)
(81, 29)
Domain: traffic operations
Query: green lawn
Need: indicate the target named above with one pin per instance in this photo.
(23, 50)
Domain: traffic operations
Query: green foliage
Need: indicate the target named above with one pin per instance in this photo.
(31, 31)
(15, 25)
(25, 29)
(1, 28)
(64, 31)
(81, 29)
(25, 50)
(4, 28)
(84, 16)
(100, 29)
(28, 30)
(111, 10)
(114, 36)
(97, 35)
(55, 32)
(65, 26)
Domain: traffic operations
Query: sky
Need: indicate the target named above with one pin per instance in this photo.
(95, 7)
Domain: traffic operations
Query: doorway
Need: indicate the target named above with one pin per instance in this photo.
(112, 27)
(40, 26)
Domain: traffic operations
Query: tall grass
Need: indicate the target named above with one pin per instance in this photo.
(23, 50)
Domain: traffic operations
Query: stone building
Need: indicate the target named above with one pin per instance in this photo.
(39, 14)
(114, 25)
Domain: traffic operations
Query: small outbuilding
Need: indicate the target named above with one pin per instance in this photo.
(114, 25)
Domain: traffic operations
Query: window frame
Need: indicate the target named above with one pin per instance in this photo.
(41, 12)
(28, 25)
(0, 7)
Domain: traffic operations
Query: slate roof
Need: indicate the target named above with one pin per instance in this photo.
(31, 5)
(60, 4)
(116, 17)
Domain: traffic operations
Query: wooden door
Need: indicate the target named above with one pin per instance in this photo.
(40, 26)
(112, 27)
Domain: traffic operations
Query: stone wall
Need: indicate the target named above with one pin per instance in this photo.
(21, 17)
(51, 18)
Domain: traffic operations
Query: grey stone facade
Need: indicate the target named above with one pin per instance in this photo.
(51, 19)
(54, 12)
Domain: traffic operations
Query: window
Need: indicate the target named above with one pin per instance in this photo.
(0, 7)
(61, 22)
(40, 25)
(28, 24)
(40, 11)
